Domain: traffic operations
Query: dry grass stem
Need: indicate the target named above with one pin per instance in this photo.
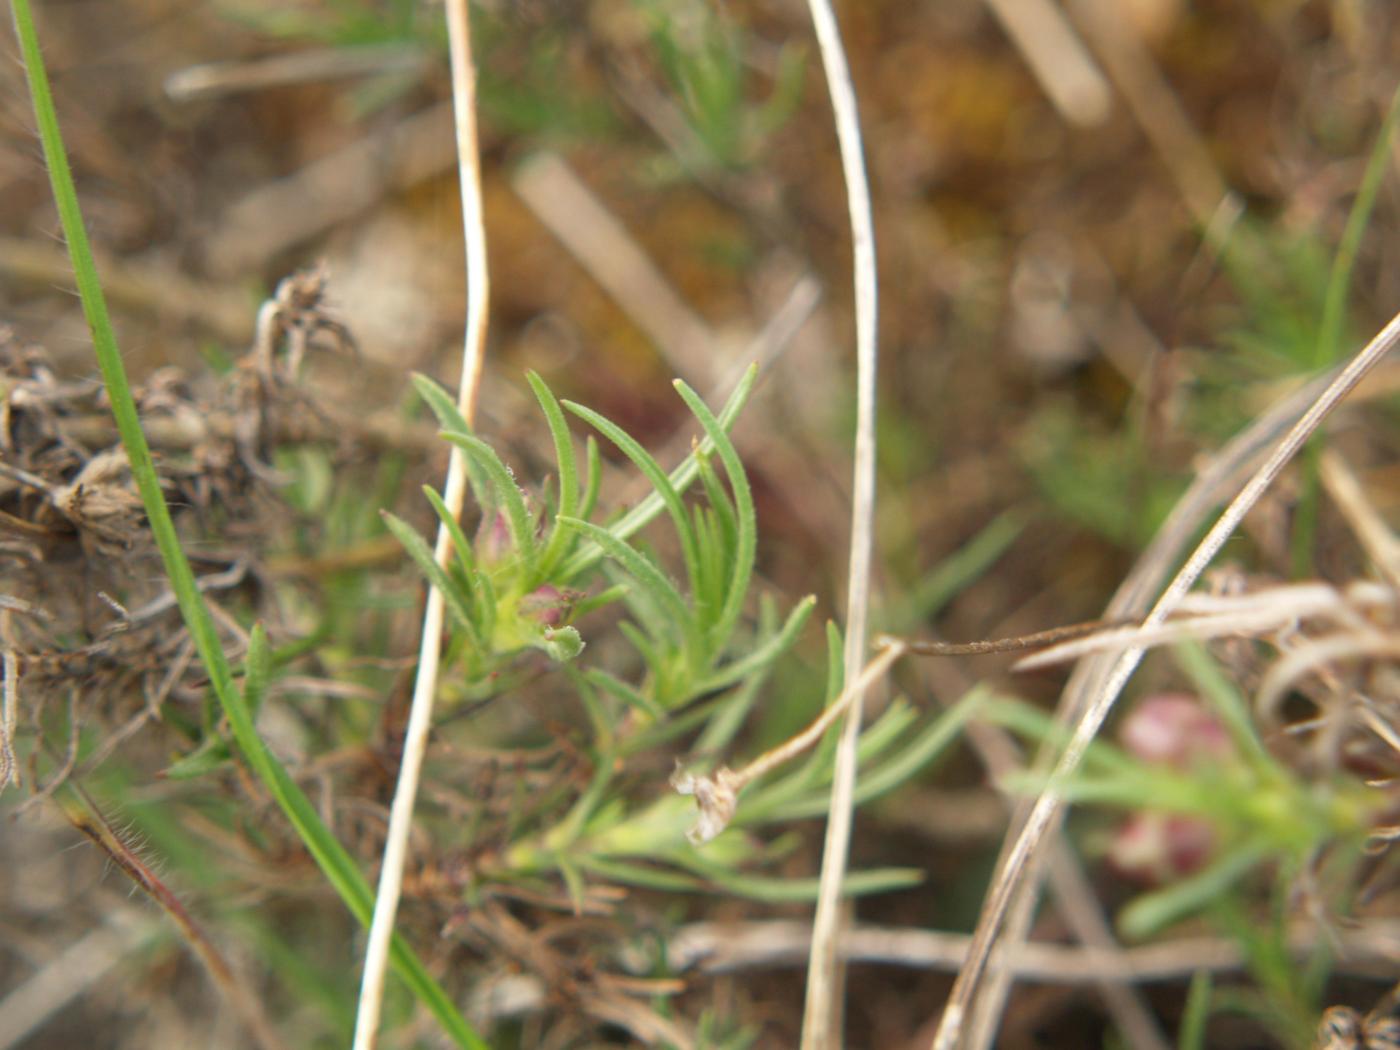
(1061, 64)
(72, 974)
(1047, 806)
(292, 210)
(717, 795)
(1072, 892)
(1052, 636)
(1259, 612)
(1226, 472)
(1366, 523)
(221, 79)
(89, 820)
(611, 256)
(822, 1010)
(425, 684)
(734, 947)
(9, 768)
(1155, 107)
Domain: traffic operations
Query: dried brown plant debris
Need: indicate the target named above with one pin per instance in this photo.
(84, 611)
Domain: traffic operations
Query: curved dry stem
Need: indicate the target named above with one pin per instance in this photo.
(1317, 655)
(821, 1015)
(425, 686)
(1018, 861)
(1225, 473)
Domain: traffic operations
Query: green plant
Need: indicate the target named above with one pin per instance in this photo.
(518, 585)
(1273, 827)
(237, 703)
(705, 57)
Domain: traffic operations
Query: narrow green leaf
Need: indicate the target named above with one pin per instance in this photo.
(1329, 337)
(257, 669)
(573, 882)
(449, 417)
(643, 875)
(592, 485)
(1148, 914)
(651, 655)
(614, 686)
(461, 546)
(824, 754)
(922, 750)
(596, 601)
(556, 546)
(680, 479)
(1192, 1033)
(642, 569)
(766, 653)
(507, 492)
(722, 506)
(417, 548)
(1225, 699)
(337, 865)
(486, 602)
(795, 891)
(213, 754)
(729, 716)
(745, 517)
(955, 572)
(660, 483)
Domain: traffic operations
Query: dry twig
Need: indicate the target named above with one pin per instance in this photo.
(1017, 862)
(425, 685)
(821, 1021)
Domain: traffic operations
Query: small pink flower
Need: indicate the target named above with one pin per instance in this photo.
(1170, 729)
(1158, 848)
(547, 604)
(1175, 730)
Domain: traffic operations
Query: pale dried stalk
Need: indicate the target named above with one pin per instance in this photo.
(9, 707)
(717, 795)
(821, 1015)
(420, 715)
(1057, 58)
(1366, 523)
(1225, 473)
(1048, 805)
(733, 947)
(1259, 613)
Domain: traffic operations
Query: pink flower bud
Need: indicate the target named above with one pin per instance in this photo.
(1158, 848)
(1175, 730)
(547, 604)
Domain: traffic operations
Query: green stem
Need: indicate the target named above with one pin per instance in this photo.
(339, 868)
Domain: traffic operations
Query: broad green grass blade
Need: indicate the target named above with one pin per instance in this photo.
(337, 865)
